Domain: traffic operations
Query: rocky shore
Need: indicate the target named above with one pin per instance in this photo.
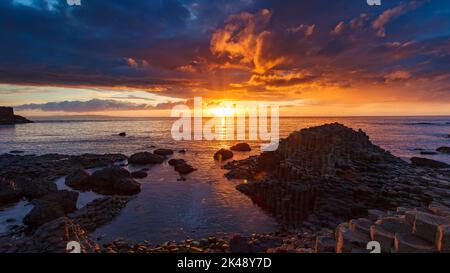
(317, 181)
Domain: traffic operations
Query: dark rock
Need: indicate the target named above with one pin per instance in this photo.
(163, 152)
(223, 154)
(9, 193)
(445, 150)
(144, 158)
(182, 151)
(123, 134)
(174, 162)
(139, 174)
(184, 168)
(181, 166)
(114, 180)
(78, 179)
(51, 207)
(241, 147)
(425, 162)
(7, 117)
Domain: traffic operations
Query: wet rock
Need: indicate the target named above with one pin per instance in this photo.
(144, 158)
(7, 117)
(114, 180)
(123, 134)
(181, 166)
(445, 150)
(78, 179)
(241, 147)
(51, 207)
(184, 168)
(163, 152)
(223, 155)
(425, 162)
(174, 162)
(139, 174)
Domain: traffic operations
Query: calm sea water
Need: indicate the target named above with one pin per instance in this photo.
(206, 203)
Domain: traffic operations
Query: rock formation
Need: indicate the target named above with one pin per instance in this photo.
(324, 175)
(7, 117)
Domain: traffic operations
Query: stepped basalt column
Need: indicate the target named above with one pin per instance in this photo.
(346, 172)
(290, 203)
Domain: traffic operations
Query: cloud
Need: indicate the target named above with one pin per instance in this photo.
(390, 14)
(95, 105)
(305, 29)
(245, 37)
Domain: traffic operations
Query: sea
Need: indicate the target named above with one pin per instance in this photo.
(206, 203)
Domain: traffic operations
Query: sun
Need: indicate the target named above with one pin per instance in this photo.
(223, 111)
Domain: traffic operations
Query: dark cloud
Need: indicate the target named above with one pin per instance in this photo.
(184, 47)
(95, 105)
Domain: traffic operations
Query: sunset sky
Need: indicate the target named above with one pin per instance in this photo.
(140, 58)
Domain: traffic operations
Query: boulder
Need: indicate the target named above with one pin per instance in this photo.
(163, 152)
(78, 179)
(139, 174)
(123, 134)
(223, 154)
(51, 207)
(429, 163)
(144, 158)
(184, 168)
(114, 180)
(182, 151)
(445, 150)
(241, 147)
(174, 162)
